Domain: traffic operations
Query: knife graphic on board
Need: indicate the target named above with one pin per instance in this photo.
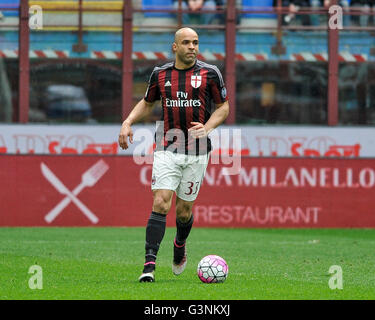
(61, 188)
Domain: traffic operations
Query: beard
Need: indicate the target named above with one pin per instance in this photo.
(187, 59)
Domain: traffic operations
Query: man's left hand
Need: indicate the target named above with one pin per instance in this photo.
(198, 130)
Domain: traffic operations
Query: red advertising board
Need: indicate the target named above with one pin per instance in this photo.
(115, 191)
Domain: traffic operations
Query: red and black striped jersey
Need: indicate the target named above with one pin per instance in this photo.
(186, 96)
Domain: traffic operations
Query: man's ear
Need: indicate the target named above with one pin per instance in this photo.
(174, 47)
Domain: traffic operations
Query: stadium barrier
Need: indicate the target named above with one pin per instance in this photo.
(41, 190)
(254, 141)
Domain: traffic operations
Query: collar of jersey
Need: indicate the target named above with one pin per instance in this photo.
(174, 66)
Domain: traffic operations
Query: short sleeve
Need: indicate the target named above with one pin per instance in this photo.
(217, 86)
(153, 93)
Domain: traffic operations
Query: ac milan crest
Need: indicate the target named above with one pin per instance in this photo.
(196, 81)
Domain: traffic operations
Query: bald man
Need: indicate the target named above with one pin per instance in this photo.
(194, 102)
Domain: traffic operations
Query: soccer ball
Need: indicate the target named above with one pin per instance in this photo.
(212, 269)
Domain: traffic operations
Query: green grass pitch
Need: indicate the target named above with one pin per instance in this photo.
(105, 263)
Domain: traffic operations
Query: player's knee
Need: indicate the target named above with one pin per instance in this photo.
(161, 204)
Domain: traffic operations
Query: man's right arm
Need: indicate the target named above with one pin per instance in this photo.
(140, 111)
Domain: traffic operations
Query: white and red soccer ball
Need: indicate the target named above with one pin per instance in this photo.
(212, 269)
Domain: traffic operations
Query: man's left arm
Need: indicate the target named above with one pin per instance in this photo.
(217, 117)
(200, 130)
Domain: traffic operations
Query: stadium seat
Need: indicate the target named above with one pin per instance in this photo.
(11, 4)
(258, 19)
(158, 18)
(157, 4)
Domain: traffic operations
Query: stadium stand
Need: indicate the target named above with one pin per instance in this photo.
(9, 17)
(155, 5)
(316, 19)
(258, 19)
(10, 4)
(201, 18)
(365, 6)
(157, 18)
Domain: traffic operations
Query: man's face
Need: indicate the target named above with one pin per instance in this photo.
(186, 47)
(195, 4)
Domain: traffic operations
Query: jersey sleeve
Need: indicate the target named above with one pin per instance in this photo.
(217, 86)
(153, 92)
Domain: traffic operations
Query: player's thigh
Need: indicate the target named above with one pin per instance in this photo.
(192, 178)
(166, 174)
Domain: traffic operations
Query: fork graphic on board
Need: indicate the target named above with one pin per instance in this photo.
(89, 178)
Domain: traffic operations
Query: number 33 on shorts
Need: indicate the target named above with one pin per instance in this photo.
(192, 188)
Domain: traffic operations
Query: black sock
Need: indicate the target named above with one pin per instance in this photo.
(154, 235)
(183, 230)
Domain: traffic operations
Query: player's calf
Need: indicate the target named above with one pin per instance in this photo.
(154, 235)
(179, 245)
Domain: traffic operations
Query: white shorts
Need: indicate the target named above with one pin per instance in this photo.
(179, 172)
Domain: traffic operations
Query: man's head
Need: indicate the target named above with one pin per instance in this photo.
(186, 47)
(195, 5)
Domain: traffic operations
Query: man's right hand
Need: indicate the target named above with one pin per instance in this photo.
(125, 132)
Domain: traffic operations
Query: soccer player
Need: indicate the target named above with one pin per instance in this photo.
(186, 87)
